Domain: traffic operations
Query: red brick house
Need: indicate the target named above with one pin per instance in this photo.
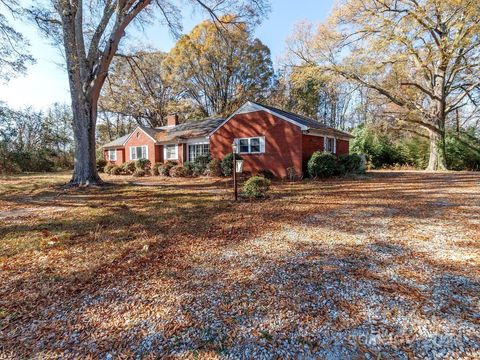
(266, 138)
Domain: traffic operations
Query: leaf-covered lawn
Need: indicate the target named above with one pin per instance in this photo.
(387, 264)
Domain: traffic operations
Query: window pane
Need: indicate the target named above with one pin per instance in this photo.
(254, 145)
(330, 144)
(170, 151)
(138, 151)
(244, 146)
(191, 153)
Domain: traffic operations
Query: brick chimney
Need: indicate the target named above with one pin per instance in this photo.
(172, 120)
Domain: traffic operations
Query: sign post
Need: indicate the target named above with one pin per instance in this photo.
(234, 169)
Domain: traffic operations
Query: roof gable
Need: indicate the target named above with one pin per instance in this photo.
(303, 122)
(145, 130)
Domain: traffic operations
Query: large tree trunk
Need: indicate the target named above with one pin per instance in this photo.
(84, 121)
(437, 160)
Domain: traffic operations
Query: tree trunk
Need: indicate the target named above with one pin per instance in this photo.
(437, 160)
(85, 167)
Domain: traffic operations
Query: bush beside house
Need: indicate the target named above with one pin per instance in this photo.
(179, 171)
(214, 168)
(325, 164)
(256, 187)
(129, 167)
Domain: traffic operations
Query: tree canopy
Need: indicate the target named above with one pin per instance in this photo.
(219, 68)
(136, 88)
(14, 56)
(421, 56)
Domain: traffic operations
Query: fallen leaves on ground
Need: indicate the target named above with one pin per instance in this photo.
(382, 265)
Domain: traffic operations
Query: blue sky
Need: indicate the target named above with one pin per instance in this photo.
(46, 81)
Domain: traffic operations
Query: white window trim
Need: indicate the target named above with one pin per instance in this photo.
(196, 143)
(262, 145)
(110, 152)
(134, 147)
(165, 152)
(334, 143)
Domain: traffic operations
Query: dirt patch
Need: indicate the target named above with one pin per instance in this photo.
(41, 212)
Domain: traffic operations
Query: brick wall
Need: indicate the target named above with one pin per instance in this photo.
(120, 157)
(283, 142)
(139, 138)
(343, 147)
(310, 144)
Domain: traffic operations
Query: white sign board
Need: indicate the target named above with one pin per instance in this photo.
(239, 166)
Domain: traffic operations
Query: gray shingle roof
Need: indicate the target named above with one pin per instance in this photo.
(303, 120)
(117, 142)
(191, 129)
(173, 133)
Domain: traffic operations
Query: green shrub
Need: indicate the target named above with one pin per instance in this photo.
(351, 164)
(101, 163)
(463, 150)
(116, 170)
(200, 164)
(139, 173)
(214, 168)
(156, 169)
(164, 169)
(267, 174)
(256, 187)
(128, 168)
(143, 164)
(322, 164)
(380, 149)
(189, 167)
(178, 171)
(227, 163)
(108, 168)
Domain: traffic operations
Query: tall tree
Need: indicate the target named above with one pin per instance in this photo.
(14, 56)
(220, 67)
(423, 56)
(136, 88)
(89, 33)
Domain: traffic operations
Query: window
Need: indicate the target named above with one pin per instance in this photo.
(195, 150)
(112, 155)
(255, 145)
(138, 152)
(170, 152)
(330, 145)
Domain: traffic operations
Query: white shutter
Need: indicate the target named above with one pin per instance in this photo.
(334, 145)
(144, 152)
(262, 144)
(132, 153)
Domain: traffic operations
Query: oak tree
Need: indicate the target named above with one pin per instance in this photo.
(423, 56)
(89, 33)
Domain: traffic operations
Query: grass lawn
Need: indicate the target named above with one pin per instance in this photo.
(386, 265)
